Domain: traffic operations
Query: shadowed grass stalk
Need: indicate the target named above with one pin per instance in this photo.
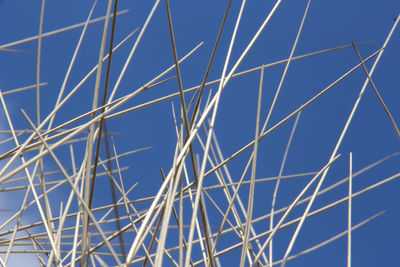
(88, 191)
(214, 105)
(376, 90)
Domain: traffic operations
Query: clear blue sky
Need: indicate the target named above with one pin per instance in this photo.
(329, 24)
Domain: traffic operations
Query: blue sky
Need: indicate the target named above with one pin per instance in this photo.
(329, 24)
